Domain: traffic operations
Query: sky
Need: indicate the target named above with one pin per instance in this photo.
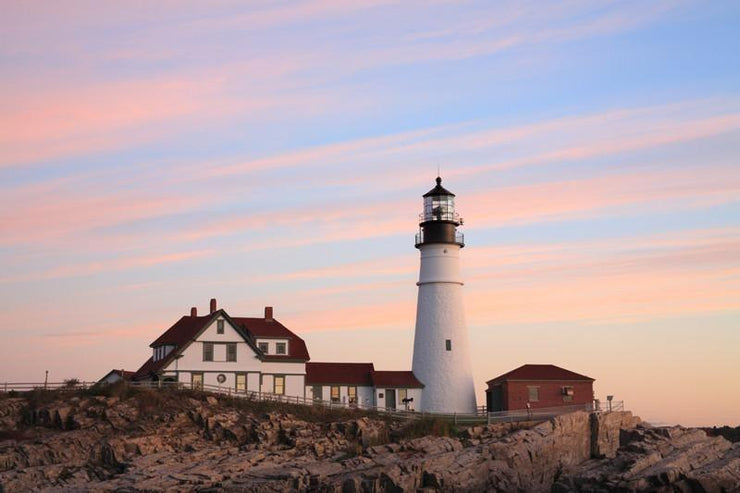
(154, 155)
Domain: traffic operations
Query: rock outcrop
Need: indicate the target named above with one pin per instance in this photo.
(661, 459)
(147, 443)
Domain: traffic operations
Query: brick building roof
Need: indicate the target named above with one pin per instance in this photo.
(540, 372)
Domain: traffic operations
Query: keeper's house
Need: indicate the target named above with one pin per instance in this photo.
(261, 355)
(539, 386)
(241, 353)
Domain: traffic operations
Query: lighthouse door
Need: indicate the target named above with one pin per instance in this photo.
(390, 398)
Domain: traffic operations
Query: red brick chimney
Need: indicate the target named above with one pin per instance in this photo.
(268, 314)
(194, 311)
(213, 305)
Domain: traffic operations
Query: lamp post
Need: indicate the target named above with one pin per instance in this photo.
(46, 379)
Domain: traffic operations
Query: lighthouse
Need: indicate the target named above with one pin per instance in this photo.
(441, 350)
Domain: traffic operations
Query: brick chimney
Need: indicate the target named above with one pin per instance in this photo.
(213, 305)
(268, 314)
(194, 311)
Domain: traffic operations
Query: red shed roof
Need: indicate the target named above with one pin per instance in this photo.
(339, 373)
(358, 374)
(126, 375)
(396, 379)
(540, 372)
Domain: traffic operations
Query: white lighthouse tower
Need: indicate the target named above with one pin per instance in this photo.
(441, 349)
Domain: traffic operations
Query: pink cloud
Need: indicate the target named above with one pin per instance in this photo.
(41, 124)
(69, 212)
(116, 264)
(681, 188)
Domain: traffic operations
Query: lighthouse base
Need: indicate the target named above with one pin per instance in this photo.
(441, 351)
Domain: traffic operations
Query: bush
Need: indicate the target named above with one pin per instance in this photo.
(424, 427)
(71, 383)
(729, 433)
(39, 397)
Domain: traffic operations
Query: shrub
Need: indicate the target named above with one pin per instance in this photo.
(426, 426)
(71, 383)
(39, 397)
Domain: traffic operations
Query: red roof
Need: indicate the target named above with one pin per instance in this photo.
(395, 379)
(150, 368)
(540, 372)
(125, 375)
(185, 330)
(358, 374)
(259, 327)
(339, 373)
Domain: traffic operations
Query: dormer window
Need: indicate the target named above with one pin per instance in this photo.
(220, 327)
(264, 347)
(280, 348)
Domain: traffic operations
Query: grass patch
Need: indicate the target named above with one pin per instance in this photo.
(313, 414)
(422, 427)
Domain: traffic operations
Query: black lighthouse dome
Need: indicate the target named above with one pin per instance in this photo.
(439, 221)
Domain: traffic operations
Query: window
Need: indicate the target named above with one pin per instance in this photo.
(335, 393)
(196, 381)
(352, 394)
(568, 394)
(317, 392)
(241, 382)
(448, 344)
(280, 348)
(534, 394)
(279, 384)
(263, 347)
(220, 327)
(231, 351)
(402, 394)
(207, 351)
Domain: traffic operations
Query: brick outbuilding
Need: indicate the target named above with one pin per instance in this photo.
(539, 385)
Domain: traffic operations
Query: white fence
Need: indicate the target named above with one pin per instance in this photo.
(480, 417)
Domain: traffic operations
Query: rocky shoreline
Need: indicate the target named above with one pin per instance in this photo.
(200, 443)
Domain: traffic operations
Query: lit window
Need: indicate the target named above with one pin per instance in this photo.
(231, 351)
(402, 394)
(280, 348)
(220, 327)
(263, 347)
(241, 382)
(448, 344)
(196, 381)
(279, 384)
(352, 394)
(534, 394)
(335, 393)
(207, 351)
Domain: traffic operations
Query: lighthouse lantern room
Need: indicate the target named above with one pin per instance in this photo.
(441, 350)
